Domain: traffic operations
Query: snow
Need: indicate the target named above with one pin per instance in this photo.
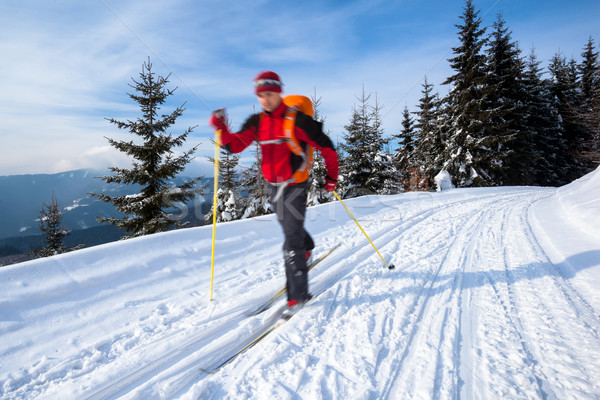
(580, 205)
(443, 181)
(76, 204)
(494, 295)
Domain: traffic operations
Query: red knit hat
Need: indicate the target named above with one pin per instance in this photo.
(267, 81)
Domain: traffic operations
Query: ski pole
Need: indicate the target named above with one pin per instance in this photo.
(390, 266)
(216, 188)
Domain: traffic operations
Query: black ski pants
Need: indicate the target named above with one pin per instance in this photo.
(290, 207)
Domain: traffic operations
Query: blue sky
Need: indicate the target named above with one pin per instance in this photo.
(66, 64)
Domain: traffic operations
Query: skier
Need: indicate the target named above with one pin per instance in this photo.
(286, 170)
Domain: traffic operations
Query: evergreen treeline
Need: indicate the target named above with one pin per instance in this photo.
(504, 121)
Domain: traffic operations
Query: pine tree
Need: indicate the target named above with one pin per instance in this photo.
(385, 177)
(155, 162)
(565, 86)
(406, 143)
(548, 164)
(589, 112)
(228, 164)
(230, 205)
(428, 146)
(361, 149)
(406, 137)
(510, 159)
(470, 147)
(355, 164)
(254, 184)
(589, 70)
(318, 171)
(591, 118)
(55, 234)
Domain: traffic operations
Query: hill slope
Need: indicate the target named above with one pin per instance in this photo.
(494, 295)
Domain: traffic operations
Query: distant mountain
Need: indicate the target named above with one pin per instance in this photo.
(22, 197)
(17, 249)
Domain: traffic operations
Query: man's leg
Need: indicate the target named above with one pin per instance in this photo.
(290, 209)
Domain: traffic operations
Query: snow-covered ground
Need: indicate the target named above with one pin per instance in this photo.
(495, 295)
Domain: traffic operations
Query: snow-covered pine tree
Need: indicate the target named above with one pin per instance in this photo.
(55, 233)
(549, 164)
(511, 154)
(566, 88)
(469, 147)
(361, 162)
(407, 137)
(155, 162)
(406, 142)
(385, 176)
(230, 205)
(389, 176)
(359, 150)
(428, 147)
(591, 118)
(589, 113)
(318, 171)
(589, 71)
(252, 182)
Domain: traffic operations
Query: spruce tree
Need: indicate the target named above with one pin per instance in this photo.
(470, 147)
(589, 70)
(254, 184)
(548, 164)
(230, 205)
(406, 143)
(428, 147)
(316, 193)
(510, 158)
(385, 177)
(155, 162)
(565, 86)
(355, 164)
(591, 119)
(589, 112)
(55, 233)
(361, 148)
(406, 137)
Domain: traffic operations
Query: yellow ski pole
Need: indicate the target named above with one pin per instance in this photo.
(390, 266)
(216, 188)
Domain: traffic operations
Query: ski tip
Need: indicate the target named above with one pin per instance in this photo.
(391, 266)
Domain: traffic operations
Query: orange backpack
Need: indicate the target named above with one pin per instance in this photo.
(296, 102)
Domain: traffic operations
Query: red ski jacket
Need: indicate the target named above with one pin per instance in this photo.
(278, 161)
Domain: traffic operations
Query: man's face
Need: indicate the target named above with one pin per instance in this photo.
(269, 100)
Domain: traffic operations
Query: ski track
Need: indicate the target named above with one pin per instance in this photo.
(453, 320)
(456, 332)
(455, 317)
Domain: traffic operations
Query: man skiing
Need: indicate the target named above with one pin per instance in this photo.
(285, 168)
